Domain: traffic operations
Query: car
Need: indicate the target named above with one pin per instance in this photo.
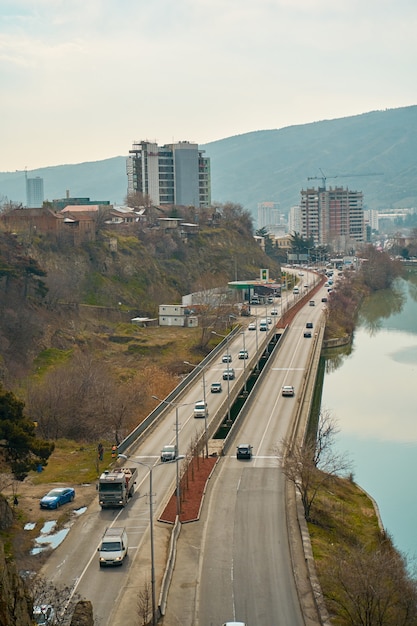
(307, 334)
(43, 614)
(216, 388)
(288, 390)
(234, 624)
(54, 498)
(244, 451)
(229, 374)
(226, 358)
(309, 325)
(306, 286)
(324, 299)
(243, 354)
(274, 312)
(312, 303)
(269, 320)
(252, 326)
(301, 273)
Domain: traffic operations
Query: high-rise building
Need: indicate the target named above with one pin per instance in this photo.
(34, 192)
(174, 174)
(269, 216)
(333, 217)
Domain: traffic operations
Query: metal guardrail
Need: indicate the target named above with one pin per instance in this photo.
(153, 418)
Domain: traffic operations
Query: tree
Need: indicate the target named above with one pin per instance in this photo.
(370, 587)
(23, 451)
(313, 464)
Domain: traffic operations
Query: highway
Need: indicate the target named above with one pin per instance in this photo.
(75, 562)
(246, 562)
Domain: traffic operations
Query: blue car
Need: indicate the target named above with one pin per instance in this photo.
(56, 497)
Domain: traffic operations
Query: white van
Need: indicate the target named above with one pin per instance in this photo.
(113, 547)
(200, 409)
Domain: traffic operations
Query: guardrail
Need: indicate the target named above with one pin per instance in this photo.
(154, 417)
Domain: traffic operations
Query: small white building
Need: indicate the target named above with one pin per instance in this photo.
(177, 315)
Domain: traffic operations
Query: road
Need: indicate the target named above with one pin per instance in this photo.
(246, 562)
(75, 562)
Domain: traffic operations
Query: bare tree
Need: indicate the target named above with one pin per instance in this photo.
(313, 464)
(370, 587)
(62, 599)
(144, 603)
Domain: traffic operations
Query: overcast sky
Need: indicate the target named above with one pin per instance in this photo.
(82, 79)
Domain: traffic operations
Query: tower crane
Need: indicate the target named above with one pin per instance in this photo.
(323, 177)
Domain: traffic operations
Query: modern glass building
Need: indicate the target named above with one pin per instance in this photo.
(34, 192)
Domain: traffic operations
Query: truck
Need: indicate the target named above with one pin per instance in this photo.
(169, 453)
(116, 486)
(113, 546)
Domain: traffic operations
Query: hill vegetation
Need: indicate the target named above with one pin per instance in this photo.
(272, 165)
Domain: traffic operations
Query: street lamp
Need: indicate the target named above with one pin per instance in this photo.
(228, 373)
(151, 468)
(244, 361)
(205, 403)
(176, 445)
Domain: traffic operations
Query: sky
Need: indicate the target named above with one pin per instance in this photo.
(81, 80)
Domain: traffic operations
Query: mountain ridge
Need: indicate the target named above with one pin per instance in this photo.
(272, 165)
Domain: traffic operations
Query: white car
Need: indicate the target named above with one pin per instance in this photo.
(288, 390)
(252, 326)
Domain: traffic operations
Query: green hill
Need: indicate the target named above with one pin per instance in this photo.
(273, 165)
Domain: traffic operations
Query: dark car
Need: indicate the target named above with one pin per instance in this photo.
(324, 299)
(54, 498)
(309, 325)
(244, 451)
(307, 334)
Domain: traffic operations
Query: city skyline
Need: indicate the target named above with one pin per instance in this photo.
(82, 81)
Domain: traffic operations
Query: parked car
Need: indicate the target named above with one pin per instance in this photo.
(44, 614)
(54, 498)
(226, 358)
(243, 354)
(252, 326)
(216, 388)
(229, 374)
(288, 390)
(244, 451)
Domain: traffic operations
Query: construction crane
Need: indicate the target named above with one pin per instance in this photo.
(323, 177)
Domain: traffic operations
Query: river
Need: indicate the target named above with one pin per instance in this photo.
(371, 390)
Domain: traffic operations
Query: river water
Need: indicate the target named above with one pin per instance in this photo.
(371, 390)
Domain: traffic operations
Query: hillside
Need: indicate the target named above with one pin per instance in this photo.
(58, 297)
(272, 165)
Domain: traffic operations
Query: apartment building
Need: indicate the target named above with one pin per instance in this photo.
(333, 217)
(174, 174)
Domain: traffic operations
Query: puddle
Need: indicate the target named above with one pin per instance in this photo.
(48, 539)
(29, 526)
(49, 542)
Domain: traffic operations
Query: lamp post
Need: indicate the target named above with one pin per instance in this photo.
(205, 403)
(244, 362)
(151, 468)
(176, 445)
(228, 378)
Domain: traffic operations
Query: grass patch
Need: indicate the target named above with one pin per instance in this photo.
(50, 358)
(343, 515)
(73, 463)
